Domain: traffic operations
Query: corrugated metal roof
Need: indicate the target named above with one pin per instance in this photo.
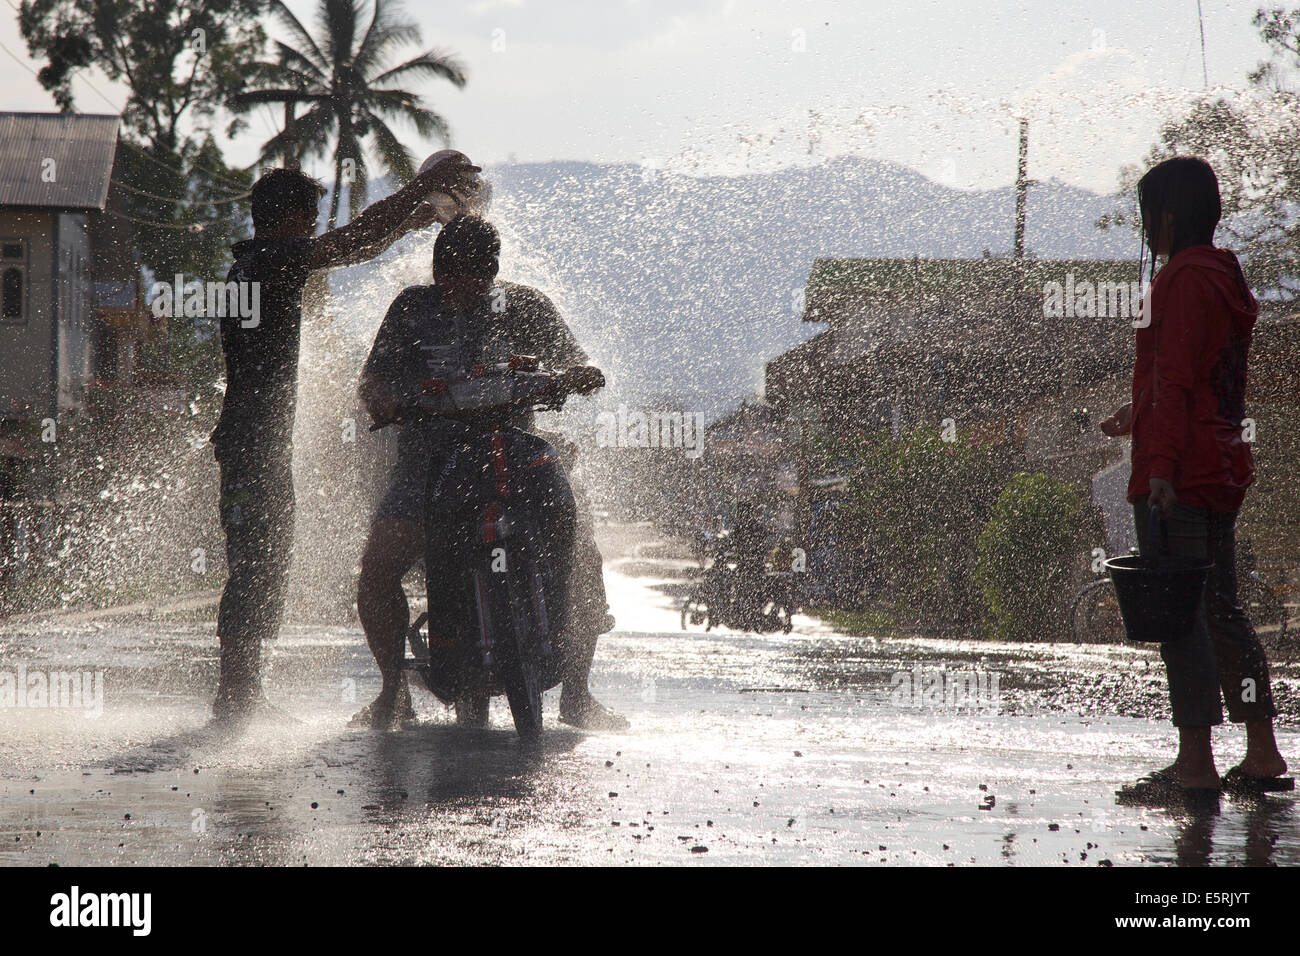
(82, 146)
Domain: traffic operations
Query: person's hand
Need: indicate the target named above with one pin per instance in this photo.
(583, 379)
(1162, 496)
(1120, 423)
(450, 175)
(380, 402)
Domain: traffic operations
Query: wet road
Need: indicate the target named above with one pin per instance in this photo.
(745, 749)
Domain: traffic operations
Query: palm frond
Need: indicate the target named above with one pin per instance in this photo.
(314, 129)
(304, 38)
(431, 63)
(387, 29)
(398, 160)
(338, 20)
(300, 66)
(399, 104)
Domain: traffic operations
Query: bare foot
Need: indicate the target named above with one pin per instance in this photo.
(386, 712)
(589, 714)
(1262, 766)
(235, 710)
(1199, 777)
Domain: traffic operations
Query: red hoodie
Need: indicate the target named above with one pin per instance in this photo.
(1189, 382)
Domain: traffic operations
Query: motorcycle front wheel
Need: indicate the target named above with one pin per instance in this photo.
(518, 667)
(695, 611)
(523, 690)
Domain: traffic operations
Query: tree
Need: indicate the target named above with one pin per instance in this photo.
(918, 504)
(1253, 142)
(352, 94)
(179, 61)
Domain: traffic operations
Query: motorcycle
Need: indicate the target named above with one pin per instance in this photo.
(499, 526)
(729, 594)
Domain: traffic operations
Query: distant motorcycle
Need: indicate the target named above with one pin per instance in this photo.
(499, 523)
(731, 594)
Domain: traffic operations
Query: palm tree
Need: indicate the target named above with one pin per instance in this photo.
(351, 92)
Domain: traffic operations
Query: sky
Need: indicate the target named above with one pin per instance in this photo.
(728, 87)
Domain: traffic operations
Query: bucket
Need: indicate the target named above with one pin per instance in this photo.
(1160, 594)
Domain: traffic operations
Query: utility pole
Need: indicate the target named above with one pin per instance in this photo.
(1022, 189)
(1205, 70)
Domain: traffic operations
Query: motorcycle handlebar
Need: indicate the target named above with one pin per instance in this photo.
(579, 380)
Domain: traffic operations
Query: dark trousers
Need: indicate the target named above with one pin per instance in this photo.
(588, 605)
(257, 515)
(1223, 653)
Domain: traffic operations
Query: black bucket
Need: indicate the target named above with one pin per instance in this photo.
(1160, 595)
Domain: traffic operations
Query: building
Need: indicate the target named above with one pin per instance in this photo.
(71, 302)
(920, 340)
(1019, 353)
(1027, 353)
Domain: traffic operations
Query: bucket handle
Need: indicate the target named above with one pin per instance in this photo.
(1158, 535)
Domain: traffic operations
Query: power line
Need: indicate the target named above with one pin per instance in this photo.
(157, 162)
(152, 223)
(180, 199)
(1205, 73)
(116, 109)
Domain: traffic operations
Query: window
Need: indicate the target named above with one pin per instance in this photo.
(13, 280)
(12, 286)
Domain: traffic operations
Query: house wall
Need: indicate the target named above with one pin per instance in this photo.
(26, 375)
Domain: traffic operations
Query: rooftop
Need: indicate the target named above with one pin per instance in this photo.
(834, 284)
(56, 160)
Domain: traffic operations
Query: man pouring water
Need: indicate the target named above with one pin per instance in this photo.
(252, 440)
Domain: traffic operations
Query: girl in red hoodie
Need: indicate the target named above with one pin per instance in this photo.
(1190, 463)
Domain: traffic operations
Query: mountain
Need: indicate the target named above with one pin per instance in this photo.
(684, 287)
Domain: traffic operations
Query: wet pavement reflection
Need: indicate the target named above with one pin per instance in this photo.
(809, 748)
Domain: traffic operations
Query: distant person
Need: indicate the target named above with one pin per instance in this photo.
(252, 440)
(748, 546)
(464, 318)
(1191, 464)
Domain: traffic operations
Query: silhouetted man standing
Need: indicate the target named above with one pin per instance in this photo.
(252, 440)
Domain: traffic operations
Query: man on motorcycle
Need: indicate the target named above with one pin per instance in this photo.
(466, 317)
(748, 546)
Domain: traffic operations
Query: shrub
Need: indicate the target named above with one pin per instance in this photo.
(920, 503)
(1025, 554)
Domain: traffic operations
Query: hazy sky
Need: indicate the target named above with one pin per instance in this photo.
(726, 86)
